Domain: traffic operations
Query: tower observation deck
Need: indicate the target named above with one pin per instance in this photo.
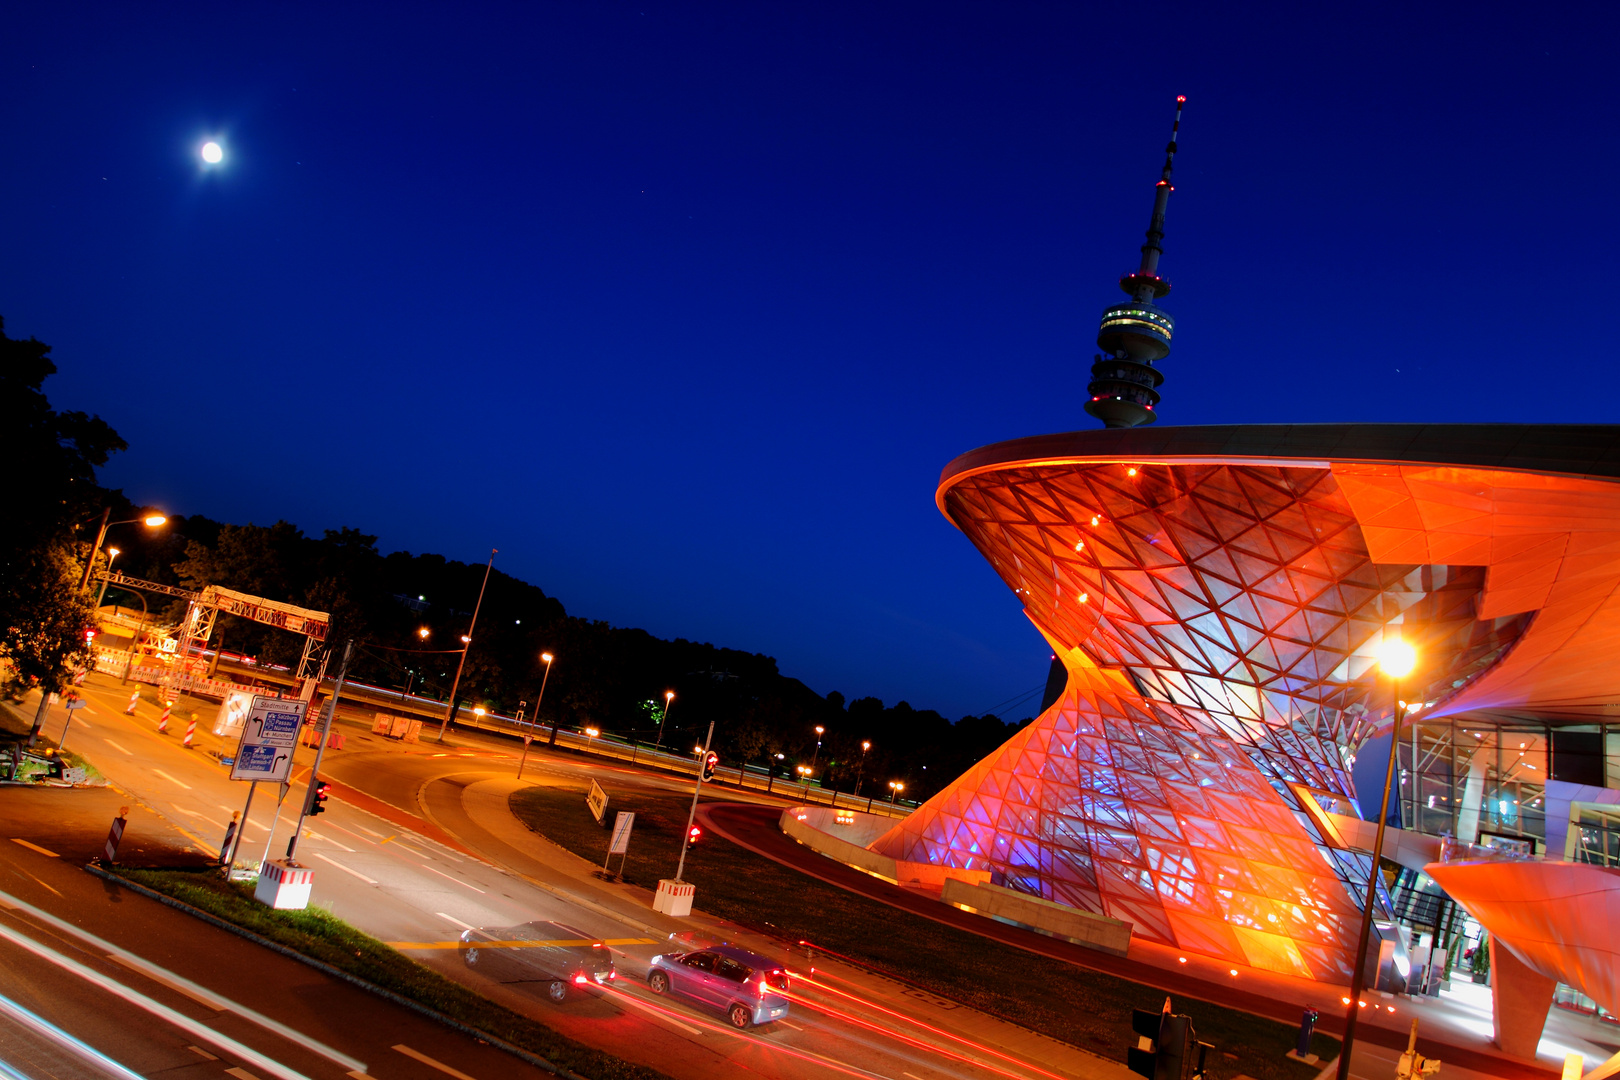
(1124, 383)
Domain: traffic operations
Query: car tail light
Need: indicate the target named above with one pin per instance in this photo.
(580, 979)
(613, 974)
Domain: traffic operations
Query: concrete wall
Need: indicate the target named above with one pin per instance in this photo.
(1042, 916)
(799, 822)
(851, 825)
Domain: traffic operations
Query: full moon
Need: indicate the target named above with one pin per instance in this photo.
(212, 154)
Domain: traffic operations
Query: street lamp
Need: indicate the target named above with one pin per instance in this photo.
(1396, 658)
(669, 696)
(895, 788)
(112, 553)
(820, 731)
(466, 643)
(151, 521)
(865, 746)
(478, 714)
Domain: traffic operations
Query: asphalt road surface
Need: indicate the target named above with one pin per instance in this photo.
(418, 845)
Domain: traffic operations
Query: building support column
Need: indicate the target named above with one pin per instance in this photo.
(1520, 999)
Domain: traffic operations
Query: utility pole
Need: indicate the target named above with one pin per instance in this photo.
(449, 712)
(320, 751)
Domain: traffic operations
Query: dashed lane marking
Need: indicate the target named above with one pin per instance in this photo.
(424, 1059)
(170, 779)
(458, 922)
(458, 881)
(313, 835)
(200, 1052)
(115, 746)
(35, 847)
(346, 870)
(240, 1074)
(608, 942)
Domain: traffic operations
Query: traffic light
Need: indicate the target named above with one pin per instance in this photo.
(317, 798)
(1167, 1047)
(693, 835)
(709, 764)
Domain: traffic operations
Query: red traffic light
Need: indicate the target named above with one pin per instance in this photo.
(692, 837)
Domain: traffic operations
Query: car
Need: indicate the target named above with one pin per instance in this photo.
(549, 954)
(747, 987)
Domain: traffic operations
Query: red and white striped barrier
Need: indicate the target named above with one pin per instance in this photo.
(284, 886)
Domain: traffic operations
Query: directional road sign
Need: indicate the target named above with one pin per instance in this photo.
(269, 736)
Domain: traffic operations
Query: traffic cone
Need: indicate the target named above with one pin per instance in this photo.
(191, 726)
(163, 723)
(134, 699)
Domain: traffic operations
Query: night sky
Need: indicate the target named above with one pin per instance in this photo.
(683, 308)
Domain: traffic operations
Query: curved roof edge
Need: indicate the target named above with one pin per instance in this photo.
(1585, 450)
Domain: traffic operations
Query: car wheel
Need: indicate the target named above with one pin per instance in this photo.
(558, 990)
(740, 1016)
(471, 956)
(658, 982)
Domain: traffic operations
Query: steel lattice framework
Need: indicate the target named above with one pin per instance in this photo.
(1219, 623)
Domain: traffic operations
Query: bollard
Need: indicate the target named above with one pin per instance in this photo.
(1307, 1024)
(230, 835)
(134, 699)
(115, 835)
(163, 722)
(191, 728)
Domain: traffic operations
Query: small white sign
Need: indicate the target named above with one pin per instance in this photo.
(622, 824)
(269, 737)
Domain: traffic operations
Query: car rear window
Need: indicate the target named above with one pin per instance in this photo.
(730, 969)
(777, 978)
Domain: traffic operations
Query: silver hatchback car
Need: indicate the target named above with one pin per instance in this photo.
(745, 986)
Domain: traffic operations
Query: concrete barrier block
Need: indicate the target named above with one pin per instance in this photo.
(1042, 916)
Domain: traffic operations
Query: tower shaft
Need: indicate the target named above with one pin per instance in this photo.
(1124, 383)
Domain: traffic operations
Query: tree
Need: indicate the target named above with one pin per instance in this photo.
(50, 487)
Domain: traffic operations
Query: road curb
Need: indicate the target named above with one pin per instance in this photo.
(327, 969)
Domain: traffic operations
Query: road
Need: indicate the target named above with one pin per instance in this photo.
(418, 844)
(97, 982)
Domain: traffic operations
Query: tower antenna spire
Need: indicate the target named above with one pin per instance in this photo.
(1124, 383)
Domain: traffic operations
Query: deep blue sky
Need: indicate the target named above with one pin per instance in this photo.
(684, 307)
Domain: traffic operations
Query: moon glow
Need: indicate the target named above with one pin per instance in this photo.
(212, 153)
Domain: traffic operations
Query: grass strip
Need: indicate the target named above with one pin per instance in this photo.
(1087, 1009)
(326, 939)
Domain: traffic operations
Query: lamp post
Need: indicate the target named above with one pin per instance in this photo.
(478, 714)
(112, 553)
(820, 731)
(865, 746)
(135, 643)
(152, 521)
(669, 696)
(466, 643)
(895, 788)
(1396, 658)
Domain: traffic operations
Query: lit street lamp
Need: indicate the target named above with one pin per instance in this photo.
(669, 696)
(466, 643)
(478, 714)
(895, 788)
(1396, 658)
(820, 731)
(151, 521)
(865, 746)
(112, 553)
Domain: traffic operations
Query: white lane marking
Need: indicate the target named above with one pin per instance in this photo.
(458, 881)
(240, 1074)
(313, 835)
(346, 870)
(170, 779)
(35, 847)
(785, 1024)
(193, 813)
(156, 1008)
(180, 983)
(225, 808)
(363, 829)
(413, 851)
(41, 1026)
(115, 746)
(655, 1013)
(913, 1076)
(458, 922)
(339, 828)
(424, 1059)
(200, 1052)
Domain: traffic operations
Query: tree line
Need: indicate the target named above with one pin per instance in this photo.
(609, 677)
